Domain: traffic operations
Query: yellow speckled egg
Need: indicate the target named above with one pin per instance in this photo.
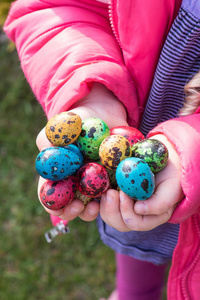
(113, 150)
(63, 129)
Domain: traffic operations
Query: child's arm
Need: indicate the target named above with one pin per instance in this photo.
(66, 46)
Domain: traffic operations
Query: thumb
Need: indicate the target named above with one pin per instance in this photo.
(42, 141)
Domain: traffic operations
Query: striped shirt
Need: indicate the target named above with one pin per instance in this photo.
(179, 61)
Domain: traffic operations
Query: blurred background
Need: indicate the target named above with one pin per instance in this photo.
(76, 266)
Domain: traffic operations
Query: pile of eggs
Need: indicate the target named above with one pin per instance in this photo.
(87, 158)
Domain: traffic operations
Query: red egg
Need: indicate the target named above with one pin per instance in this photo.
(133, 135)
(93, 179)
(57, 194)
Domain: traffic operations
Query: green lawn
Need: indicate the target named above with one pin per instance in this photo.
(74, 266)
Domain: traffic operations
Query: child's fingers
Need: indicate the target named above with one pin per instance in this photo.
(110, 211)
(138, 222)
(42, 141)
(72, 210)
(167, 194)
(91, 211)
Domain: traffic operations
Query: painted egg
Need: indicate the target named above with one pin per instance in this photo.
(113, 150)
(93, 180)
(57, 194)
(85, 199)
(56, 163)
(154, 152)
(74, 149)
(133, 135)
(112, 176)
(134, 177)
(63, 129)
(94, 131)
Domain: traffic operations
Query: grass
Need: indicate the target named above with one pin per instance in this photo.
(74, 266)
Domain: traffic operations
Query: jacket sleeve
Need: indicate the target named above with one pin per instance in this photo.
(184, 134)
(64, 46)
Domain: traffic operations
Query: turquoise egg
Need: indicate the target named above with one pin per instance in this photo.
(94, 131)
(56, 163)
(135, 178)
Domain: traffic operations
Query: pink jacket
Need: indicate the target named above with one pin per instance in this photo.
(79, 29)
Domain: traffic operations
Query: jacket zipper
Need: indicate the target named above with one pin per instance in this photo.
(113, 19)
(184, 287)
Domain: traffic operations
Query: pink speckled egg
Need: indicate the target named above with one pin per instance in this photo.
(132, 134)
(93, 179)
(57, 194)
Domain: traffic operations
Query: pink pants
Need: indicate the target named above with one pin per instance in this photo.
(139, 280)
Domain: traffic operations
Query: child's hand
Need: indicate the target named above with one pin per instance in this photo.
(76, 207)
(120, 211)
(99, 103)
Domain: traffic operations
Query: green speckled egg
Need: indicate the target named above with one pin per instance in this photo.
(113, 150)
(153, 152)
(94, 131)
(63, 129)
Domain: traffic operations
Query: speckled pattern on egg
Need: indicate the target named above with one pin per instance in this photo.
(112, 176)
(85, 199)
(63, 129)
(56, 163)
(113, 150)
(134, 177)
(154, 152)
(94, 131)
(57, 194)
(93, 179)
(132, 134)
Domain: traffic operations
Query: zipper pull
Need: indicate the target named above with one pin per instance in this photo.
(59, 229)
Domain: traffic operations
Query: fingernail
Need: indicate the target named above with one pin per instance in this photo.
(92, 212)
(106, 198)
(141, 208)
(74, 210)
(103, 198)
(109, 199)
(121, 198)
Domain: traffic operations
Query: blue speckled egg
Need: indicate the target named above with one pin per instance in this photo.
(56, 163)
(135, 178)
